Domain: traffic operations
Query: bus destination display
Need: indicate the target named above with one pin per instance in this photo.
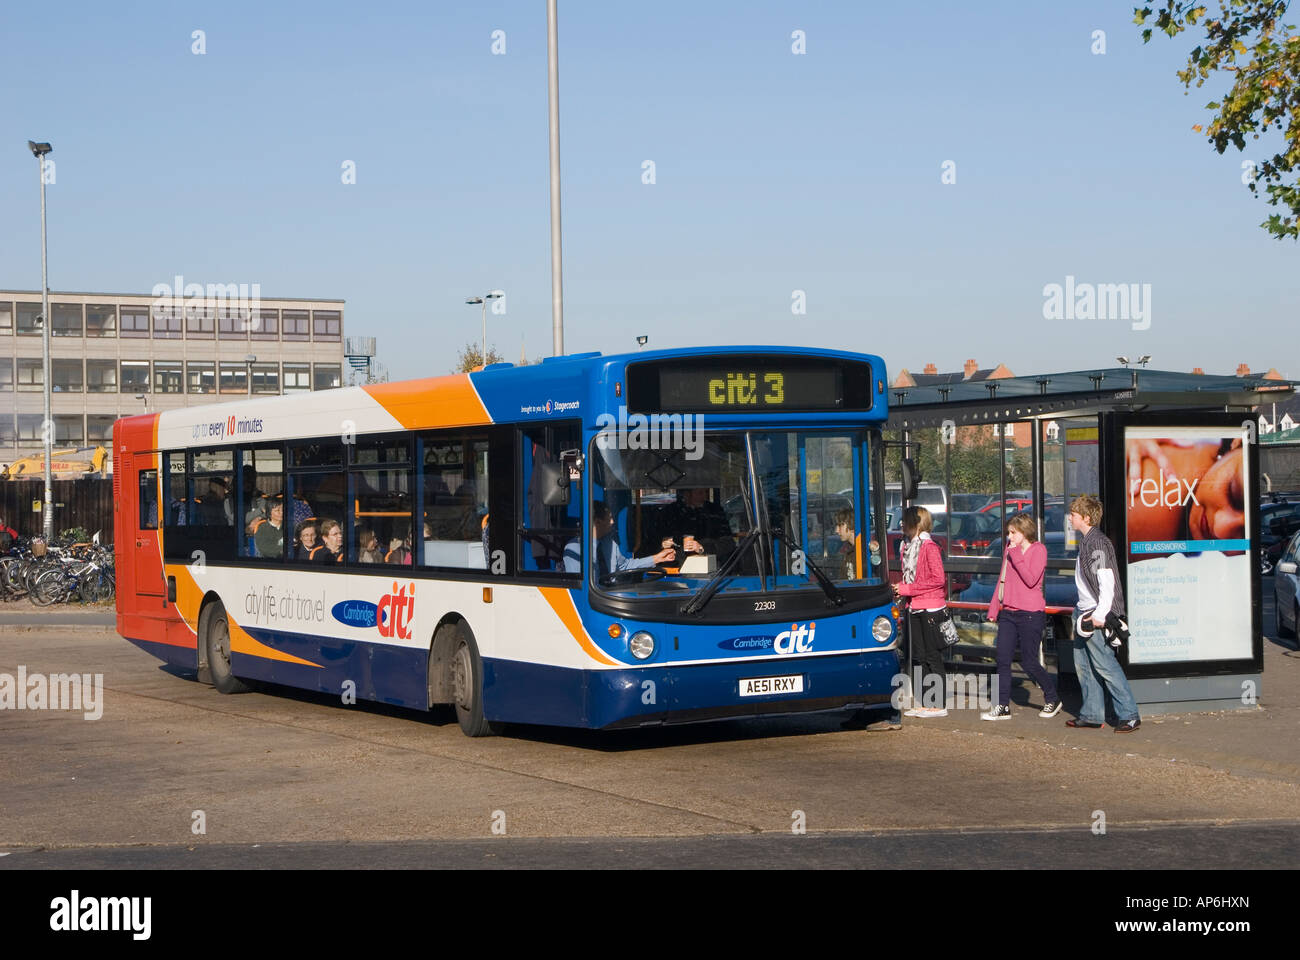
(742, 385)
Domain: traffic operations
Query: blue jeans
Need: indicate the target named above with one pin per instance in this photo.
(1095, 665)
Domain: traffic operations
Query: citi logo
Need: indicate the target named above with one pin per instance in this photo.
(393, 618)
(798, 639)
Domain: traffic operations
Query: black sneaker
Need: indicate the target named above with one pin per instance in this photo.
(1082, 723)
(1050, 709)
(1130, 726)
(999, 711)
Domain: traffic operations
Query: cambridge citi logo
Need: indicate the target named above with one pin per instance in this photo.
(395, 612)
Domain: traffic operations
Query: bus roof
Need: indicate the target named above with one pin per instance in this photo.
(577, 385)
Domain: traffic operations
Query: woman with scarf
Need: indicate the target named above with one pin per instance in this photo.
(924, 586)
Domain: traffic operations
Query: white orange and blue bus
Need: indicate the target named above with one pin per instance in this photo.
(592, 541)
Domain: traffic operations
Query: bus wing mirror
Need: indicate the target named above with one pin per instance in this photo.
(911, 479)
(555, 483)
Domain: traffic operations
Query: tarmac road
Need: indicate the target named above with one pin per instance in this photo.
(319, 783)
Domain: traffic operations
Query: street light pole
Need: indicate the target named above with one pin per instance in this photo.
(553, 92)
(490, 295)
(249, 360)
(39, 150)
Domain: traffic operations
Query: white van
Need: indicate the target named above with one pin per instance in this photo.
(932, 496)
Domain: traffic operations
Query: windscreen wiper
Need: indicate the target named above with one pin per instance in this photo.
(708, 591)
(832, 592)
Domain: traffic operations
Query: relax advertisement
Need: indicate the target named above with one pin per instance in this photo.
(1189, 551)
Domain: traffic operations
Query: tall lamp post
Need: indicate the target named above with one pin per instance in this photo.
(249, 360)
(39, 150)
(492, 295)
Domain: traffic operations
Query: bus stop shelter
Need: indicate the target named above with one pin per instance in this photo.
(1173, 457)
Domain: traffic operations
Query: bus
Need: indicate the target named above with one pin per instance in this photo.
(592, 541)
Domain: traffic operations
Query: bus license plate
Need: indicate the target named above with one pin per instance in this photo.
(761, 686)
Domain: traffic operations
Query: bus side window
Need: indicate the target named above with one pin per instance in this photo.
(148, 499)
(547, 530)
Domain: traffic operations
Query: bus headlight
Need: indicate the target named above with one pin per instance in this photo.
(641, 644)
(882, 628)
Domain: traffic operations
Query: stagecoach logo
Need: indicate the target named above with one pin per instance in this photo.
(550, 406)
(394, 613)
(356, 613)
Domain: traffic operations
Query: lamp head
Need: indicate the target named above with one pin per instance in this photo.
(38, 149)
(473, 299)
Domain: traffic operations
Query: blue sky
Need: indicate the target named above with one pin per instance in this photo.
(774, 172)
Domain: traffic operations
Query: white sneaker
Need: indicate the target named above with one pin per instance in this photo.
(932, 712)
(914, 712)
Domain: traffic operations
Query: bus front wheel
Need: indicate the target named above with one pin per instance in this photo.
(467, 685)
(219, 658)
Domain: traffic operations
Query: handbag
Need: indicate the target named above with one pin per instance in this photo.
(947, 629)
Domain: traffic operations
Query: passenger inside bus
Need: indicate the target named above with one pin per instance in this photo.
(305, 539)
(695, 525)
(368, 546)
(330, 548)
(268, 534)
(607, 552)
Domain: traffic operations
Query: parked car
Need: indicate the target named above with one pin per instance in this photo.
(1277, 523)
(966, 502)
(1286, 589)
(932, 496)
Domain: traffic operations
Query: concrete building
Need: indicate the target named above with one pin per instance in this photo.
(115, 355)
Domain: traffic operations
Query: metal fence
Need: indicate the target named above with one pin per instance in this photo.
(1279, 466)
(77, 503)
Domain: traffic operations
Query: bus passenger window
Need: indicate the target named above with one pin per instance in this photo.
(455, 501)
(548, 525)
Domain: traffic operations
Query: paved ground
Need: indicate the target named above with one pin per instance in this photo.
(304, 773)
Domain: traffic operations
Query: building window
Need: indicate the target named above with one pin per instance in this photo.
(327, 376)
(166, 323)
(69, 431)
(99, 428)
(67, 319)
(25, 315)
(65, 376)
(6, 375)
(233, 323)
(234, 378)
(198, 378)
(29, 428)
(296, 324)
(267, 325)
(135, 322)
(8, 433)
(297, 377)
(135, 376)
(101, 320)
(101, 376)
(31, 374)
(327, 324)
(200, 322)
(6, 319)
(266, 378)
(168, 377)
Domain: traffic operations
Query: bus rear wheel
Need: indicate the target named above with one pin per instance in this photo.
(217, 639)
(467, 685)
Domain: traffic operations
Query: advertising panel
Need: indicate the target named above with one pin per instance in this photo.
(1189, 544)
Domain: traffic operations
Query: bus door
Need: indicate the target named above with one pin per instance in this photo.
(146, 557)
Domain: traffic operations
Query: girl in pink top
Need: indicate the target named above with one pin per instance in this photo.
(925, 587)
(1017, 608)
